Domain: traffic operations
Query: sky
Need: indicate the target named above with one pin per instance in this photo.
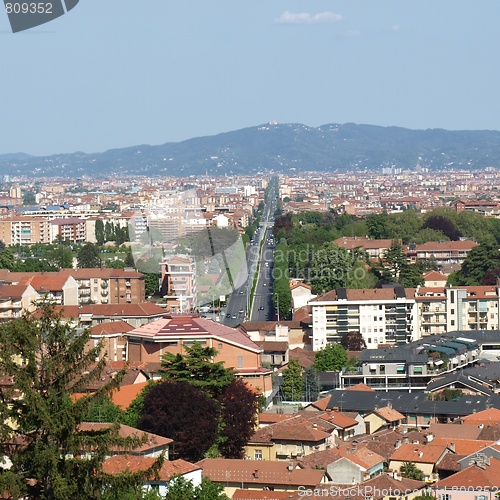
(118, 73)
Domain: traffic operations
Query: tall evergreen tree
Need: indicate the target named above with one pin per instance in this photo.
(197, 368)
(293, 384)
(88, 256)
(40, 426)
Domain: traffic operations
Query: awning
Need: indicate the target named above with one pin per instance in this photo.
(373, 367)
(438, 362)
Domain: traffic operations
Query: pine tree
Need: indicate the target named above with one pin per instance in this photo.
(292, 381)
(40, 425)
(197, 368)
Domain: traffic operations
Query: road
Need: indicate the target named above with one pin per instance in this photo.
(236, 309)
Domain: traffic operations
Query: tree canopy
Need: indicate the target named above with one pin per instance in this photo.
(88, 256)
(40, 425)
(333, 357)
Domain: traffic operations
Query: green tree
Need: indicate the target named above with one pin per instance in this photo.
(88, 256)
(311, 384)
(481, 259)
(7, 259)
(333, 357)
(293, 384)
(48, 362)
(60, 258)
(377, 226)
(152, 283)
(197, 368)
(394, 261)
(99, 232)
(410, 471)
(181, 489)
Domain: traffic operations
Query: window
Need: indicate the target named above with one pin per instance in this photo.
(219, 346)
(452, 297)
(258, 455)
(417, 370)
(453, 311)
(400, 368)
(481, 497)
(382, 368)
(452, 322)
(444, 496)
(240, 361)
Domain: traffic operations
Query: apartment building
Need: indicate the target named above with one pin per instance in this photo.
(70, 229)
(108, 286)
(173, 333)
(24, 231)
(15, 299)
(442, 252)
(398, 315)
(382, 315)
(178, 283)
(376, 249)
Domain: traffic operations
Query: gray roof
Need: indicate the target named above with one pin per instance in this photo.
(410, 403)
(458, 378)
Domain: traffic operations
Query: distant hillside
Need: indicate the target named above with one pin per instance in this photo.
(279, 147)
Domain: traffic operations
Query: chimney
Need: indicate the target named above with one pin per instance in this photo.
(389, 405)
(397, 444)
(406, 440)
(256, 474)
(335, 408)
(354, 448)
(420, 454)
(315, 425)
(396, 476)
(429, 437)
(452, 447)
(290, 466)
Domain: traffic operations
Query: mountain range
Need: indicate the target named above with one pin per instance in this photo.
(279, 148)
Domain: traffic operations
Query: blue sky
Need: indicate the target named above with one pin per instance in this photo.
(116, 73)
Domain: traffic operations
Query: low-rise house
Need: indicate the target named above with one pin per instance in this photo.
(259, 475)
(111, 335)
(382, 418)
(289, 439)
(170, 469)
(16, 299)
(353, 463)
(425, 457)
(479, 481)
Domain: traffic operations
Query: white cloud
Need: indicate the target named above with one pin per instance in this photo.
(306, 18)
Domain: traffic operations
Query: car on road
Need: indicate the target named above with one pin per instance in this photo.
(261, 308)
(265, 284)
(241, 292)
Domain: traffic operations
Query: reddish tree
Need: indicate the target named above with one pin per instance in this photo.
(239, 407)
(353, 341)
(183, 413)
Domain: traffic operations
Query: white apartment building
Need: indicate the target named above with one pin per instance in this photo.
(399, 315)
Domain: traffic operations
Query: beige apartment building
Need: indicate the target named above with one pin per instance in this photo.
(24, 231)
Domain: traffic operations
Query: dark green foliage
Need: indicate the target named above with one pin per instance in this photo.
(311, 384)
(239, 405)
(181, 489)
(282, 297)
(88, 256)
(196, 368)
(293, 384)
(184, 413)
(479, 261)
(99, 232)
(333, 357)
(103, 410)
(48, 362)
(443, 224)
(152, 283)
(410, 471)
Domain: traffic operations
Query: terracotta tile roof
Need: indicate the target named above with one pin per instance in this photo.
(489, 433)
(435, 276)
(450, 462)
(418, 453)
(273, 418)
(462, 446)
(223, 470)
(474, 477)
(361, 455)
(267, 346)
(153, 440)
(12, 291)
(360, 387)
(126, 394)
(440, 246)
(111, 328)
(491, 416)
(321, 404)
(263, 495)
(47, 282)
(143, 309)
(339, 419)
(389, 414)
(297, 428)
(454, 431)
(122, 463)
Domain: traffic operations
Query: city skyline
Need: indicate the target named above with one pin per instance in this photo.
(121, 73)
